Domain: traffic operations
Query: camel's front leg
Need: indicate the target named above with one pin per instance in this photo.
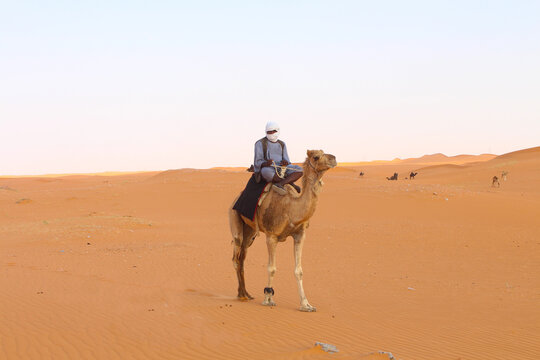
(298, 244)
(271, 243)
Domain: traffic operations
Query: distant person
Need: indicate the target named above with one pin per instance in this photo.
(270, 155)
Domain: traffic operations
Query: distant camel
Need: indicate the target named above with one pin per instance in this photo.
(503, 175)
(280, 216)
(412, 175)
(361, 173)
(394, 177)
(495, 181)
(250, 169)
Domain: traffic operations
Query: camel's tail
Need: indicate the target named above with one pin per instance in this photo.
(242, 233)
(236, 225)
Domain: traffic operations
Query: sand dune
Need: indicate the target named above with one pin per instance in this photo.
(426, 160)
(138, 266)
(526, 154)
(523, 166)
(441, 158)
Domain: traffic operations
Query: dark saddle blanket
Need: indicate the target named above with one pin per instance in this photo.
(247, 203)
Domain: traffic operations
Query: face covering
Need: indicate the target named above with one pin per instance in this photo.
(273, 137)
(271, 125)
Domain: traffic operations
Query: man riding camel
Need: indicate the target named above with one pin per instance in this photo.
(270, 155)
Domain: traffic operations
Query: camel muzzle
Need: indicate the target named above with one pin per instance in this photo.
(332, 160)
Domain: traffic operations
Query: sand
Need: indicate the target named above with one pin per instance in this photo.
(138, 266)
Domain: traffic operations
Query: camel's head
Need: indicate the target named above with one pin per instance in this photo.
(320, 161)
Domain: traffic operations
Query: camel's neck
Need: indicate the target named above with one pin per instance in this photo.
(311, 181)
(305, 205)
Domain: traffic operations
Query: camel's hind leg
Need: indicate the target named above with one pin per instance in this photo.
(243, 236)
(239, 256)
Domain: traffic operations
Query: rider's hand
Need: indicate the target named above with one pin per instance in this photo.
(267, 163)
(284, 163)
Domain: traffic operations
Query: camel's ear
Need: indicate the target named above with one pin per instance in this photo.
(310, 153)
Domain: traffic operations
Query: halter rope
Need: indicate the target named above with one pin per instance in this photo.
(281, 169)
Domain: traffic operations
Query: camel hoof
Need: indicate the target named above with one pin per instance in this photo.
(245, 297)
(308, 308)
(269, 303)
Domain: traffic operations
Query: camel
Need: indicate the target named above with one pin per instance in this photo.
(280, 216)
(361, 174)
(394, 177)
(412, 175)
(495, 181)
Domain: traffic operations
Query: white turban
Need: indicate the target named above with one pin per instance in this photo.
(271, 126)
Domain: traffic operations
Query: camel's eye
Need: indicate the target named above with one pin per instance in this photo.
(316, 158)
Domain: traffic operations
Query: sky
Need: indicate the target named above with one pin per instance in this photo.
(91, 86)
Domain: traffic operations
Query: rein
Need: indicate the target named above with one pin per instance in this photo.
(281, 169)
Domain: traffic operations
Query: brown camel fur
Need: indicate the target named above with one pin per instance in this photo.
(280, 216)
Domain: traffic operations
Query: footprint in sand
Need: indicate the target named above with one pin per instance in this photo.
(23, 201)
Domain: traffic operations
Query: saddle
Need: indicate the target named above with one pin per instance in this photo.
(250, 198)
(254, 194)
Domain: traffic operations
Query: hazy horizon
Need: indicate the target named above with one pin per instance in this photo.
(123, 86)
(114, 172)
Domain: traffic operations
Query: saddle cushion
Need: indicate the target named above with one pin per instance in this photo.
(251, 197)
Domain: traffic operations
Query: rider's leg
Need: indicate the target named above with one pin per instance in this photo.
(290, 179)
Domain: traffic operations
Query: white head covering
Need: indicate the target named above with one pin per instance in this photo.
(270, 126)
